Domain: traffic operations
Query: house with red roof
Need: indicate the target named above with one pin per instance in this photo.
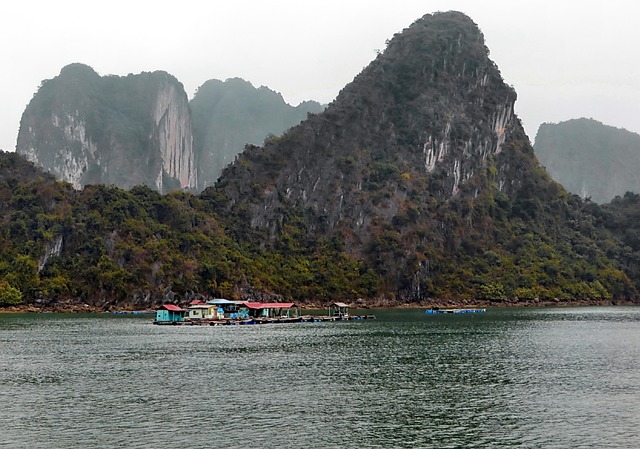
(170, 313)
(269, 309)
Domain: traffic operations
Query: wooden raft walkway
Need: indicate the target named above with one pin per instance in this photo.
(249, 321)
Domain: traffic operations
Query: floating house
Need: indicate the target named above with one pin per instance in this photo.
(169, 313)
(247, 309)
(230, 309)
(270, 309)
(223, 311)
(339, 309)
(203, 312)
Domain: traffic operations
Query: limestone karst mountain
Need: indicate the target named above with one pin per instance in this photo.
(417, 184)
(428, 117)
(140, 129)
(227, 115)
(589, 158)
(421, 170)
(88, 129)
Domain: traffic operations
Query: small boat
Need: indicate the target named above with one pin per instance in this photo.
(436, 310)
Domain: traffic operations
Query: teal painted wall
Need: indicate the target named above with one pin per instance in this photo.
(168, 315)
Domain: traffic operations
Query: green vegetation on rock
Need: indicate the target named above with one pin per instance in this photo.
(417, 184)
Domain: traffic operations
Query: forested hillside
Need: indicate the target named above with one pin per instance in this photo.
(108, 247)
(105, 245)
(416, 185)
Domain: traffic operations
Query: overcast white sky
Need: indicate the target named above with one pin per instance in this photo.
(565, 58)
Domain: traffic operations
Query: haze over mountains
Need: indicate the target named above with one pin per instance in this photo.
(141, 130)
(417, 184)
(589, 158)
(228, 115)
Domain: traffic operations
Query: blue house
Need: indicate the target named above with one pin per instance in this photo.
(169, 313)
(230, 309)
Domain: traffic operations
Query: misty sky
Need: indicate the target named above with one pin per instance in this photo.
(566, 59)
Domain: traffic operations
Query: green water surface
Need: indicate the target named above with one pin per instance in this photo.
(528, 378)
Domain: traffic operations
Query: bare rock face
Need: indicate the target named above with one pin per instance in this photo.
(173, 136)
(126, 131)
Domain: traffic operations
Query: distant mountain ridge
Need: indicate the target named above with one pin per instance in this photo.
(141, 129)
(589, 158)
(227, 115)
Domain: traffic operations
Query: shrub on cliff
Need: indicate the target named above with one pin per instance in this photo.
(9, 296)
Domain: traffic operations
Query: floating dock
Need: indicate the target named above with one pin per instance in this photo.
(443, 311)
(263, 320)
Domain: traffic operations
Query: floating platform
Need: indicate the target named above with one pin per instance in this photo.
(261, 320)
(443, 311)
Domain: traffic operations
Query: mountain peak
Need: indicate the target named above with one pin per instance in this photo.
(78, 69)
(87, 129)
(431, 105)
(408, 153)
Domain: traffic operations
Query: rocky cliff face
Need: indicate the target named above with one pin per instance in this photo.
(429, 118)
(173, 136)
(589, 158)
(87, 129)
(419, 168)
(227, 115)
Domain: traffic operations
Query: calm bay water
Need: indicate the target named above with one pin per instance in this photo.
(528, 378)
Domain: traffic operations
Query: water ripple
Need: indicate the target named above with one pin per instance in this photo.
(541, 378)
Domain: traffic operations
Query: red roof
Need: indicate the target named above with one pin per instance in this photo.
(196, 302)
(172, 308)
(268, 305)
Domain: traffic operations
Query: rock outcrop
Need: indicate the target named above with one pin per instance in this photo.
(87, 129)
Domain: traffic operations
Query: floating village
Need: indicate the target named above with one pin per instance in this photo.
(438, 311)
(218, 312)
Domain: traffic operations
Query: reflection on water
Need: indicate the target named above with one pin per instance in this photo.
(543, 378)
